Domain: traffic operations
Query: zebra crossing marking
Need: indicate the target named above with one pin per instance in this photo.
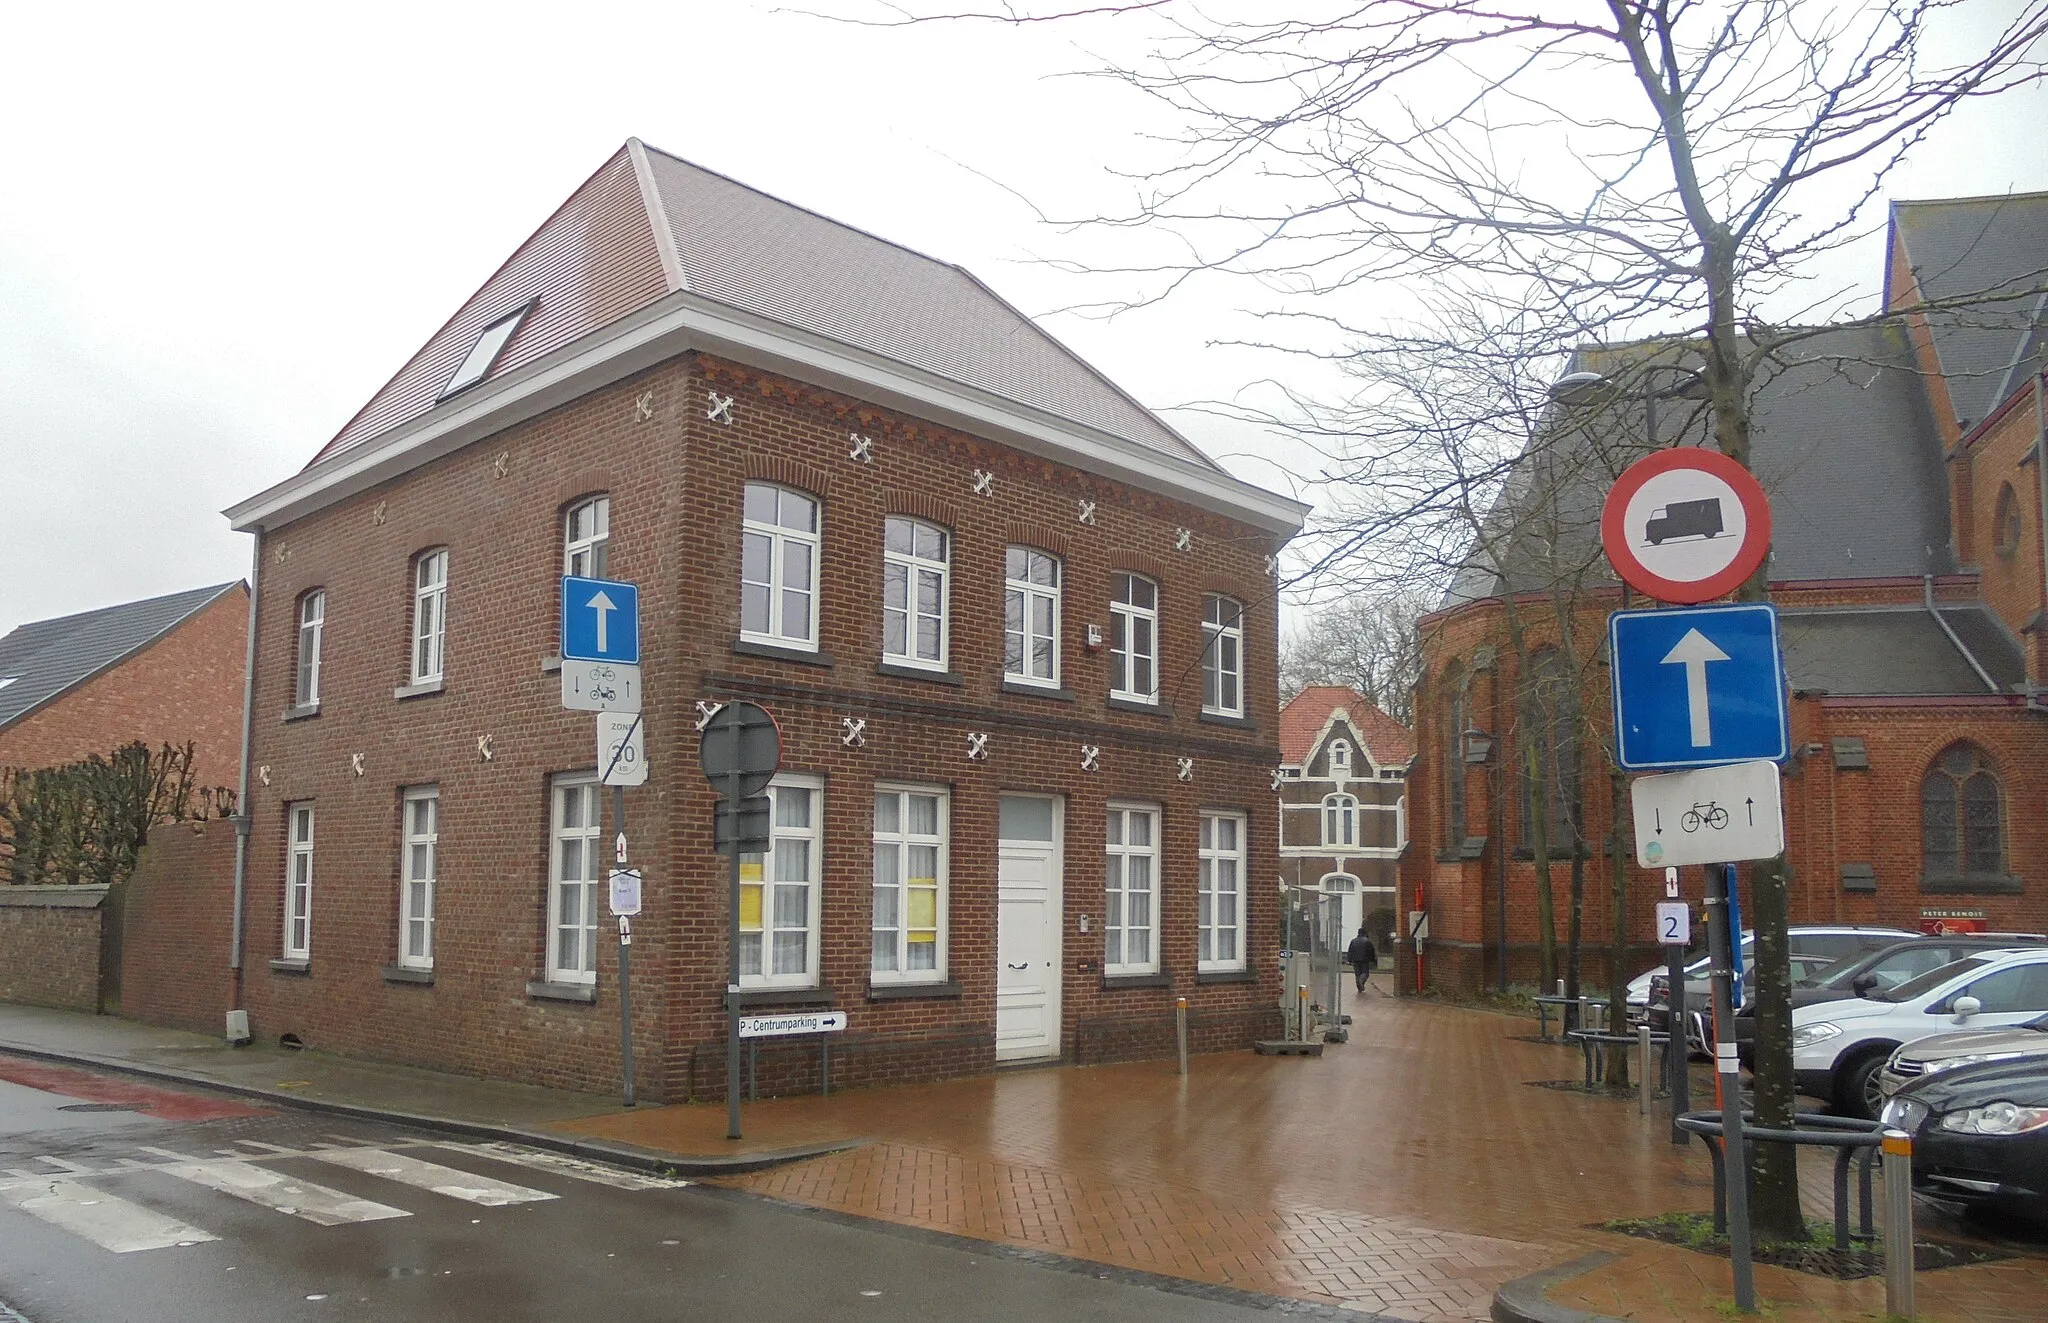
(109, 1222)
(408, 1170)
(619, 1178)
(269, 1189)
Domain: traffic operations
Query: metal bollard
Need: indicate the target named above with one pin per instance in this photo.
(1301, 1010)
(1645, 1090)
(1180, 1030)
(1898, 1223)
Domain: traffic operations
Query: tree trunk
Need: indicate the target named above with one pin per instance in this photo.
(1539, 844)
(1575, 923)
(1617, 921)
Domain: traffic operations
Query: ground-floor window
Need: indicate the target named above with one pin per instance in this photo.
(298, 894)
(573, 872)
(1131, 889)
(910, 884)
(421, 817)
(1220, 902)
(779, 891)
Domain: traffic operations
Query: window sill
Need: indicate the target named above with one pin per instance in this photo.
(1205, 978)
(911, 991)
(1117, 704)
(420, 689)
(1159, 980)
(301, 967)
(551, 664)
(1225, 719)
(1038, 691)
(541, 990)
(1972, 886)
(300, 711)
(785, 997)
(904, 672)
(407, 974)
(783, 652)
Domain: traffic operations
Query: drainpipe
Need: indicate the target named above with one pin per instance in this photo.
(2034, 685)
(1928, 581)
(241, 818)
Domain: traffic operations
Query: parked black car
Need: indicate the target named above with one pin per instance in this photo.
(1980, 1135)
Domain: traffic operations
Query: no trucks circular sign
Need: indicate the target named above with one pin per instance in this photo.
(1685, 525)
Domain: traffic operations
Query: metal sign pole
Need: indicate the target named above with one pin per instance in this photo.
(1735, 1169)
(732, 983)
(625, 950)
(1676, 1041)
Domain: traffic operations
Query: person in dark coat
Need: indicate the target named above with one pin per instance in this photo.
(1362, 957)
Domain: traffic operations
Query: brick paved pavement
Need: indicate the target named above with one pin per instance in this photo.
(1410, 1171)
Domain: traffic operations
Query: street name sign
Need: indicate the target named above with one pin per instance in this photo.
(621, 749)
(1698, 687)
(1716, 815)
(1685, 525)
(600, 621)
(625, 889)
(779, 1026)
(597, 686)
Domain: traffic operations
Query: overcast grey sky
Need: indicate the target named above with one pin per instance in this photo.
(226, 225)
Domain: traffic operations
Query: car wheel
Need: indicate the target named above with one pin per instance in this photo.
(1856, 1086)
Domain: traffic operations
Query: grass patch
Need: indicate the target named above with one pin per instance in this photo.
(1817, 1256)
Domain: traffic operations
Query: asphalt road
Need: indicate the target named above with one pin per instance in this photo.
(121, 1201)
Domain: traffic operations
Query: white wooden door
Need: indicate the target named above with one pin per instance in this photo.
(1027, 950)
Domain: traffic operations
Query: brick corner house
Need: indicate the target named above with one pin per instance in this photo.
(1018, 635)
(163, 670)
(1344, 803)
(1903, 460)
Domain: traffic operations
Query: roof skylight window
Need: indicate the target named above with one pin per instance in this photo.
(485, 352)
(6, 680)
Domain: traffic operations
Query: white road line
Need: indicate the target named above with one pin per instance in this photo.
(110, 1223)
(315, 1203)
(432, 1176)
(562, 1164)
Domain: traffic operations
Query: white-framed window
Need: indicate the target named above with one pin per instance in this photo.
(1031, 617)
(575, 869)
(779, 567)
(1222, 656)
(420, 819)
(915, 560)
(779, 891)
(1130, 918)
(1133, 638)
(1340, 820)
(312, 625)
(909, 921)
(587, 538)
(429, 614)
(298, 883)
(1220, 903)
(1340, 760)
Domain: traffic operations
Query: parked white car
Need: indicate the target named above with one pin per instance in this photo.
(1839, 1048)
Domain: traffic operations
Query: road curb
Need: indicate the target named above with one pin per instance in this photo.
(656, 1161)
(1523, 1300)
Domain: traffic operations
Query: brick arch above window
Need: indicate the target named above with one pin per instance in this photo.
(1020, 534)
(787, 472)
(920, 505)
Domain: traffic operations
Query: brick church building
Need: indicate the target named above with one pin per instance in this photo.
(1903, 460)
(1019, 636)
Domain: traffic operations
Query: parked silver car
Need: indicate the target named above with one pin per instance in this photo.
(1930, 1056)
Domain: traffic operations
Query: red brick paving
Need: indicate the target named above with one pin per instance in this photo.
(149, 1099)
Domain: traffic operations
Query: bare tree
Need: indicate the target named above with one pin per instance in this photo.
(1631, 169)
(1364, 641)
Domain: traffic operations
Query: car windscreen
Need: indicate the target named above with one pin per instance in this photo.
(1932, 979)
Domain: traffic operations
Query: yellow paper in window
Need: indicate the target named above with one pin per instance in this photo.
(924, 909)
(925, 938)
(750, 869)
(750, 908)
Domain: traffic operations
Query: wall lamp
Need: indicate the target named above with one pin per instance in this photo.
(1478, 745)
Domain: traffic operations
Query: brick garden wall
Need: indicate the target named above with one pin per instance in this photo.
(50, 946)
(176, 927)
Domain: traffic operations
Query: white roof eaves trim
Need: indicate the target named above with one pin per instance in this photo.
(684, 321)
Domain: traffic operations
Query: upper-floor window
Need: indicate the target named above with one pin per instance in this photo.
(779, 567)
(909, 924)
(1133, 638)
(1962, 828)
(779, 891)
(1130, 923)
(1340, 759)
(1031, 617)
(587, 539)
(915, 560)
(429, 614)
(312, 625)
(1340, 820)
(1222, 656)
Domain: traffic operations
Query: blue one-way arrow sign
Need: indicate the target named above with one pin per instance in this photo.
(1698, 687)
(600, 621)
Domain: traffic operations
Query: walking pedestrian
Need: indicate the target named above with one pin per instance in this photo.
(1363, 958)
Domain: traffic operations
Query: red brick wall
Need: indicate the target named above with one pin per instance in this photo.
(185, 686)
(675, 480)
(2011, 580)
(177, 921)
(50, 947)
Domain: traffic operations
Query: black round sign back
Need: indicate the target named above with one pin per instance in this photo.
(740, 744)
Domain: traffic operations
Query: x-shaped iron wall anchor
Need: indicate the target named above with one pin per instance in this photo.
(355, 763)
(1091, 758)
(1186, 769)
(483, 748)
(853, 732)
(721, 408)
(1276, 778)
(1183, 538)
(263, 774)
(984, 482)
(706, 709)
(977, 746)
(862, 449)
(1087, 509)
(643, 408)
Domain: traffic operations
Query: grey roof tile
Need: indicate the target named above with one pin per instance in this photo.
(1964, 247)
(42, 659)
(1894, 652)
